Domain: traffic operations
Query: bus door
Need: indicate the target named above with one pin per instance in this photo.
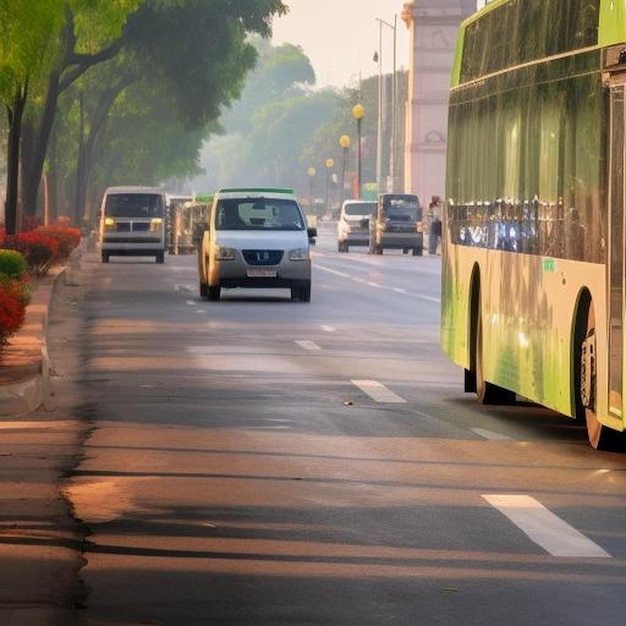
(616, 260)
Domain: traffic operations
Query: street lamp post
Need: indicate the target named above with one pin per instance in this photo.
(311, 174)
(358, 112)
(394, 98)
(344, 142)
(329, 166)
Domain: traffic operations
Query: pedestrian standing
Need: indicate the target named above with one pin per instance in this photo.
(434, 231)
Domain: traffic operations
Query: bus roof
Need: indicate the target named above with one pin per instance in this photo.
(611, 28)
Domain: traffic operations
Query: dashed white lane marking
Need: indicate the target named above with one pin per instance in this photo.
(377, 391)
(545, 528)
(328, 329)
(489, 434)
(378, 285)
(307, 345)
(335, 272)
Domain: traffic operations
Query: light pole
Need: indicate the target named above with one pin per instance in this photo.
(394, 98)
(344, 142)
(358, 112)
(311, 174)
(329, 166)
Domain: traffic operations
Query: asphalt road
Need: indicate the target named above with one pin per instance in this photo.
(258, 461)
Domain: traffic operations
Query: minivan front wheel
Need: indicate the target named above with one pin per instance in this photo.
(301, 292)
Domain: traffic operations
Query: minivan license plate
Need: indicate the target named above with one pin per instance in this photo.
(261, 273)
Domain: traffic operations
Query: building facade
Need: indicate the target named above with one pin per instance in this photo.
(433, 26)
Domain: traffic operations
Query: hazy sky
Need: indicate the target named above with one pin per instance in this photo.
(341, 36)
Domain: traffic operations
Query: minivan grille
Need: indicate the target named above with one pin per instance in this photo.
(262, 257)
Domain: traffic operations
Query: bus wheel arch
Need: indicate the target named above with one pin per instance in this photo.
(486, 392)
(585, 385)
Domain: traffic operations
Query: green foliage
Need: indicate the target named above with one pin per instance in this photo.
(12, 264)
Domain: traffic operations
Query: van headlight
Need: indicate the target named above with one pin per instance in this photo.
(224, 254)
(109, 223)
(156, 224)
(298, 254)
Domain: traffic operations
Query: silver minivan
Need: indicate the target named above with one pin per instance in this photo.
(255, 237)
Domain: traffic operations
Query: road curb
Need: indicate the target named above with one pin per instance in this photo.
(27, 393)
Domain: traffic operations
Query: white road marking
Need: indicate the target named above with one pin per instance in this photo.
(377, 391)
(328, 329)
(370, 283)
(545, 528)
(335, 272)
(489, 434)
(307, 345)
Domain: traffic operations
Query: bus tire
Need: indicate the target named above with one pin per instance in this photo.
(600, 437)
(486, 392)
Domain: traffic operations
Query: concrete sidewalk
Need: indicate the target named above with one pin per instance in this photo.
(24, 362)
(41, 433)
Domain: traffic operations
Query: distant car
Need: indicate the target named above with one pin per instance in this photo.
(255, 237)
(397, 225)
(353, 223)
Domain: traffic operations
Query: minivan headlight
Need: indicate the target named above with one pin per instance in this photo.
(298, 254)
(224, 254)
(109, 223)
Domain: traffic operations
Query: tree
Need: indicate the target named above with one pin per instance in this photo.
(24, 47)
(94, 31)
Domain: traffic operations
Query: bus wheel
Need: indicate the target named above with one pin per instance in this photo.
(600, 437)
(486, 392)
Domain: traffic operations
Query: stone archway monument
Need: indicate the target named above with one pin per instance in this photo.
(433, 26)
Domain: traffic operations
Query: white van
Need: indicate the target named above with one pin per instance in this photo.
(255, 237)
(133, 223)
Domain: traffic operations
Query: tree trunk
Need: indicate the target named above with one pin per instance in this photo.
(15, 115)
(35, 146)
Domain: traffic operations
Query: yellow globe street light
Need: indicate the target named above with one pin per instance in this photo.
(358, 112)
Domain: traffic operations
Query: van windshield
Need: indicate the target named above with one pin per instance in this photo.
(360, 208)
(402, 208)
(142, 205)
(258, 214)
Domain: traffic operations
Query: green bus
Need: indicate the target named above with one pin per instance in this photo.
(533, 264)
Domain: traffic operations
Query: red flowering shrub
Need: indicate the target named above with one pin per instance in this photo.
(44, 246)
(14, 297)
(40, 251)
(66, 237)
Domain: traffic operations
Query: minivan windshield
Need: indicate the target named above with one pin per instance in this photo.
(258, 214)
(137, 205)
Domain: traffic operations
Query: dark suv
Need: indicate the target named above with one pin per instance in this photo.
(398, 224)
